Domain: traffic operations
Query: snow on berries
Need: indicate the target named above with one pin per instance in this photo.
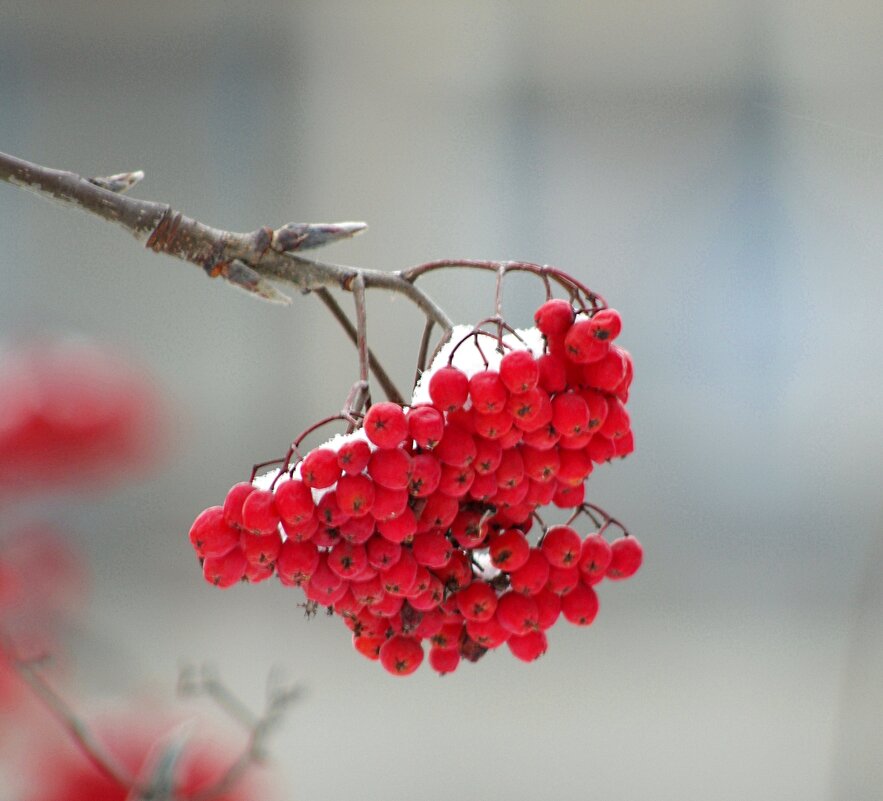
(421, 528)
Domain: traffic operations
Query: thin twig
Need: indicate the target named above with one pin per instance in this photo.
(389, 388)
(278, 700)
(78, 730)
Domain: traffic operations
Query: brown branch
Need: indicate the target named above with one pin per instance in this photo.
(392, 393)
(250, 261)
(78, 730)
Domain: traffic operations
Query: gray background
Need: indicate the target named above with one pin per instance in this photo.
(716, 170)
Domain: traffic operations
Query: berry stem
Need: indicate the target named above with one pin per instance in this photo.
(389, 388)
(424, 349)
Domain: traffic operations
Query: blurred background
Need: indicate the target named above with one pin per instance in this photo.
(715, 170)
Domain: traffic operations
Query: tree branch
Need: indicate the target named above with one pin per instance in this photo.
(250, 261)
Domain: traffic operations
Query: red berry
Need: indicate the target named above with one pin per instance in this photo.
(597, 404)
(355, 495)
(398, 579)
(448, 389)
(432, 549)
(488, 392)
(429, 599)
(368, 591)
(488, 455)
(457, 447)
(347, 560)
(478, 601)
(532, 576)
(390, 468)
(622, 388)
(562, 579)
(448, 636)
(553, 373)
(262, 549)
(425, 475)
(625, 445)
(457, 573)
(519, 371)
(574, 466)
(517, 613)
(487, 633)
(601, 449)
(511, 470)
(508, 497)
(595, 556)
(387, 606)
(329, 512)
(233, 502)
(577, 443)
(549, 606)
(493, 426)
(439, 511)
(554, 317)
(385, 424)
(606, 373)
(468, 530)
(353, 456)
(581, 345)
(381, 552)
(580, 605)
(426, 425)
(541, 493)
(484, 487)
(297, 562)
(569, 497)
(398, 529)
(456, 481)
(388, 503)
(256, 572)
(617, 423)
(509, 550)
(540, 465)
(562, 546)
(525, 407)
(570, 414)
(368, 646)
(401, 655)
(320, 468)
(543, 438)
(606, 324)
(626, 557)
(324, 578)
(444, 660)
(511, 438)
(259, 515)
(227, 570)
(211, 535)
(528, 647)
(303, 530)
(294, 502)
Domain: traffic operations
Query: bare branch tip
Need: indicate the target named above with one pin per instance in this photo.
(120, 183)
(304, 236)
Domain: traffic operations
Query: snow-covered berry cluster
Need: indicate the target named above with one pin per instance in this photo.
(417, 526)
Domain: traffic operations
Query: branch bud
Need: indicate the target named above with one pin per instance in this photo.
(303, 236)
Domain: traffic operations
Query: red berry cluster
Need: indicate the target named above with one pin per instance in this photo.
(73, 414)
(42, 588)
(138, 739)
(415, 527)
